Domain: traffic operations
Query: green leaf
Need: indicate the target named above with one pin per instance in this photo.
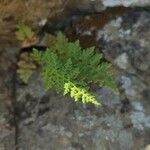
(24, 32)
(68, 68)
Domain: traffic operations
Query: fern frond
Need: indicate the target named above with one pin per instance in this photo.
(79, 94)
(69, 69)
(24, 32)
(37, 56)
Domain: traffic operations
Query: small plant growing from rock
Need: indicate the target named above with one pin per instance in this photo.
(25, 67)
(69, 69)
(25, 34)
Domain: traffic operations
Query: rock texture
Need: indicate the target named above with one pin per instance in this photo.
(38, 120)
(126, 3)
(31, 13)
(126, 45)
(129, 40)
(36, 13)
(49, 121)
(7, 126)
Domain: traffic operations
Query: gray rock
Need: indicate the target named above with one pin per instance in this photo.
(7, 132)
(122, 61)
(126, 3)
(108, 98)
(51, 121)
(47, 120)
(126, 50)
(126, 45)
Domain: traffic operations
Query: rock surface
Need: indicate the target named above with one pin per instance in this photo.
(49, 121)
(40, 120)
(7, 127)
(126, 3)
(16, 11)
(126, 45)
